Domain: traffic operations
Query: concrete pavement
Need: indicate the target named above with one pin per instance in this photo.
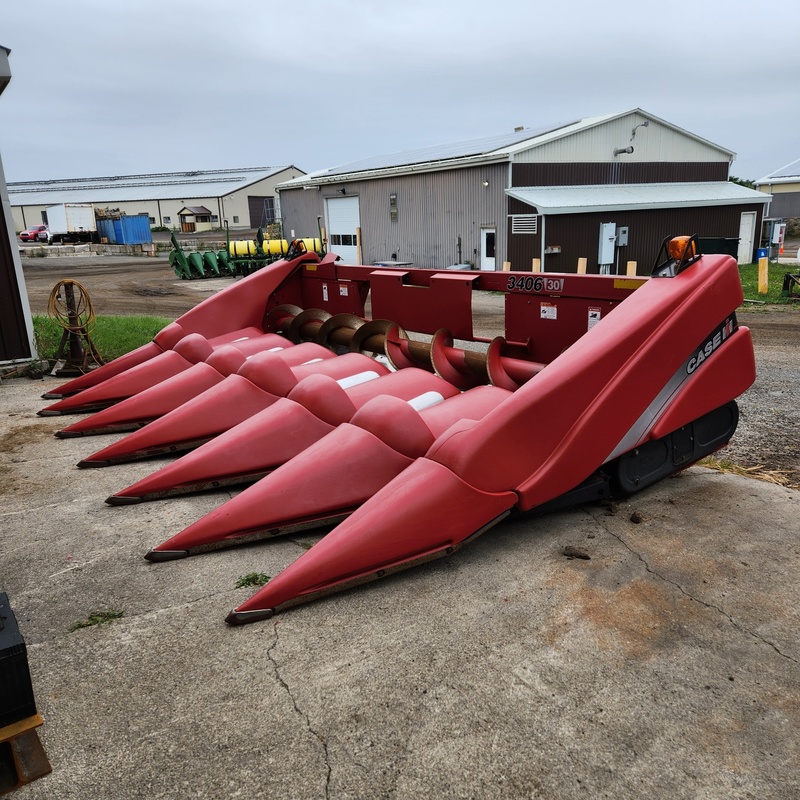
(665, 665)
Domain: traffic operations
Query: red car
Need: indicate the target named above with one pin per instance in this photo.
(31, 234)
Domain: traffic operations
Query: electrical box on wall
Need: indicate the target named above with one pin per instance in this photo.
(622, 236)
(608, 240)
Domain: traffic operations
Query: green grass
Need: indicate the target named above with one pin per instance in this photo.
(252, 579)
(749, 275)
(97, 618)
(112, 336)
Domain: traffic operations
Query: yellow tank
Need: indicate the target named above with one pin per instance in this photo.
(272, 247)
(275, 247)
(242, 247)
(313, 245)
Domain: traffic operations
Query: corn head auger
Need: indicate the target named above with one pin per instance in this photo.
(240, 257)
(413, 446)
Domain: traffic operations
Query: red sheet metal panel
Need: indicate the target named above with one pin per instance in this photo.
(446, 303)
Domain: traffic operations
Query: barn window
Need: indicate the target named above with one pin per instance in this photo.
(524, 223)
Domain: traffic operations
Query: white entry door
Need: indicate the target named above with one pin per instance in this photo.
(488, 247)
(343, 225)
(747, 228)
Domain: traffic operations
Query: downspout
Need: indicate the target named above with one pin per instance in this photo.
(506, 233)
(160, 219)
(542, 246)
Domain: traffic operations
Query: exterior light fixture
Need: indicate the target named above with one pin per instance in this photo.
(485, 183)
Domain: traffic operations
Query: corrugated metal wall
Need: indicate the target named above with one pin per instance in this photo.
(785, 205)
(578, 235)
(584, 174)
(299, 211)
(439, 214)
(134, 229)
(656, 142)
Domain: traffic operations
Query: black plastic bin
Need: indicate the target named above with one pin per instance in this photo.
(16, 691)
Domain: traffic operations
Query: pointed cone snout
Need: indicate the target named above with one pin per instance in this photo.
(259, 383)
(210, 413)
(119, 387)
(147, 405)
(243, 454)
(317, 487)
(97, 376)
(426, 512)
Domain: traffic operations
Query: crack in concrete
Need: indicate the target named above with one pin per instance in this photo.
(302, 714)
(691, 597)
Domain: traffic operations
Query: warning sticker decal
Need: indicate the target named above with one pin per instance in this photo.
(548, 311)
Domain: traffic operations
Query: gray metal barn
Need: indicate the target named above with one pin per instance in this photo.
(608, 189)
(244, 198)
(784, 186)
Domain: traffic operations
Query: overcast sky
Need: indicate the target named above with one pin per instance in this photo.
(105, 87)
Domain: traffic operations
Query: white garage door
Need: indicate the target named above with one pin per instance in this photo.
(343, 223)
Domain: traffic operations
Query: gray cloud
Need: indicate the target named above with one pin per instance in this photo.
(150, 86)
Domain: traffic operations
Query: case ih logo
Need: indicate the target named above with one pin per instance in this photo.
(711, 344)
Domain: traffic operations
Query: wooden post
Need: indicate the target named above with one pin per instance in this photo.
(23, 757)
(506, 266)
(536, 265)
(582, 262)
(763, 275)
(359, 256)
(631, 268)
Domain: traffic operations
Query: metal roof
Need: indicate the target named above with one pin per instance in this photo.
(443, 156)
(788, 174)
(500, 147)
(634, 196)
(122, 188)
(473, 147)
